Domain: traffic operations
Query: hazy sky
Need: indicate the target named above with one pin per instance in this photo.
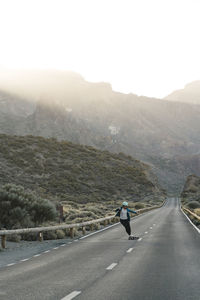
(148, 47)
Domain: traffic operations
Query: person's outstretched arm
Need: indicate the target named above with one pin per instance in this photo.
(134, 212)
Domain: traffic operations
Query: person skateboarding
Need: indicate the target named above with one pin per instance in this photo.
(123, 213)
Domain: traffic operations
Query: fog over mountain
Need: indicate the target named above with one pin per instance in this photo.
(190, 94)
(163, 133)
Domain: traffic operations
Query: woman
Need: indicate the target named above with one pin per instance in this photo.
(123, 213)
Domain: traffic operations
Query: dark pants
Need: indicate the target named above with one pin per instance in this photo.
(127, 226)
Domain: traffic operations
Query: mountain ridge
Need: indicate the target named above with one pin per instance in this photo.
(189, 94)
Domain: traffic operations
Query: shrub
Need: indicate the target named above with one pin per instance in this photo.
(60, 234)
(20, 208)
(139, 205)
(32, 236)
(194, 204)
(14, 238)
(49, 235)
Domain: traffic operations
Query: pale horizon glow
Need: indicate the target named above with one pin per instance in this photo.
(147, 47)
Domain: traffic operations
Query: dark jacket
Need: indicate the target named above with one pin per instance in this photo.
(118, 211)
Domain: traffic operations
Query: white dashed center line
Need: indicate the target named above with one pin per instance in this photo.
(111, 266)
(129, 250)
(71, 295)
(139, 239)
(151, 227)
(146, 232)
(9, 265)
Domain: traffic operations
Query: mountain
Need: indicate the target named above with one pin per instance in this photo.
(67, 171)
(13, 112)
(190, 94)
(62, 104)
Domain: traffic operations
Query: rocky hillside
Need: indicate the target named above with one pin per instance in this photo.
(191, 190)
(67, 171)
(13, 112)
(63, 105)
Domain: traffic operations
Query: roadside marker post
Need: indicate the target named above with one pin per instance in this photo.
(3, 241)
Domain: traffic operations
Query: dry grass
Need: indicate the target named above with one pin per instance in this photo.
(197, 211)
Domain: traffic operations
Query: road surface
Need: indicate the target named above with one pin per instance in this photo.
(163, 264)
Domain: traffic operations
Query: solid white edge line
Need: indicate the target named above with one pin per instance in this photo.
(55, 248)
(129, 250)
(25, 259)
(111, 266)
(47, 251)
(62, 245)
(198, 230)
(71, 295)
(36, 255)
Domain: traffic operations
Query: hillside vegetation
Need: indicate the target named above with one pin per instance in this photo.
(191, 191)
(190, 196)
(63, 171)
(19, 208)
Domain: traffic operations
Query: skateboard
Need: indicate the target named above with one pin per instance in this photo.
(133, 238)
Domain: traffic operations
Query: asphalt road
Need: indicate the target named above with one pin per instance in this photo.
(163, 264)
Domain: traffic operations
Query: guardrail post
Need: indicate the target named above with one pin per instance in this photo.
(91, 227)
(83, 230)
(3, 241)
(98, 226)
(40, 236)
(105, 222)
(72, 233)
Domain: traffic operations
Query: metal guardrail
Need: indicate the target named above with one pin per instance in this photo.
(40, 230)
(191, 213)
